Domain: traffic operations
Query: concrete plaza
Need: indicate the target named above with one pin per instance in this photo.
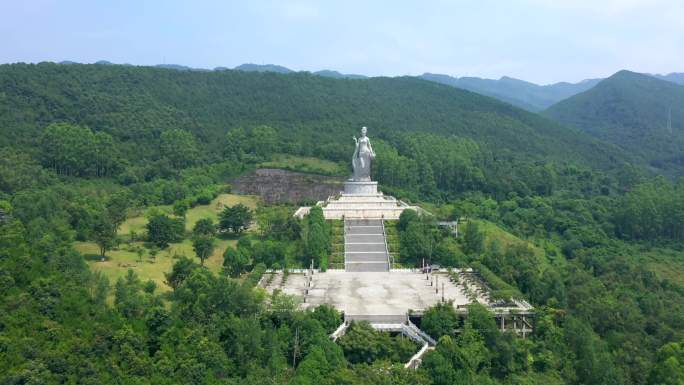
(373, 293)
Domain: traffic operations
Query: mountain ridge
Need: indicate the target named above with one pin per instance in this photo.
(640, 113)
(263, 68)
(674, 77)
(520, 93)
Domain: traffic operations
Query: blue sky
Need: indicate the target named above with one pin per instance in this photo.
(542, 41)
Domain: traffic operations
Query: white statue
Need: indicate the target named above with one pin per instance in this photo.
(363, 155)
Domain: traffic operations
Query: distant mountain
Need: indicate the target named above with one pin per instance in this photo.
(640, 113)
(338, 75)
(174, 67)
(675, 77)
(285, 70)
(263, 68)
(529, 96)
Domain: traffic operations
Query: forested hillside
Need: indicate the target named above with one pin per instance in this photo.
(311, 116)
(147, 100)
(632, 111)
(127, 169)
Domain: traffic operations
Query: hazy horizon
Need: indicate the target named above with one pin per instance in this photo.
(580, 40)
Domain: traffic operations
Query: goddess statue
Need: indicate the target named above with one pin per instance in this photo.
(363, 155)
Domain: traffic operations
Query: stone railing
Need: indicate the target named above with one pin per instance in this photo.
(340, 331)
(384, 237)
(417, 358)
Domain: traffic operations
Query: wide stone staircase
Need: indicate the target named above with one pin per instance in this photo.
(365, 248)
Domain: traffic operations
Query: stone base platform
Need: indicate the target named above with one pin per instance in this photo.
(371, 206)
(359, 200)
(360, 188)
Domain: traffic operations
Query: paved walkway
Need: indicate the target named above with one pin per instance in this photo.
(364, 246)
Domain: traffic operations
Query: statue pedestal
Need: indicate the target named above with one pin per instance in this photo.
(360, 188)
(360, 200)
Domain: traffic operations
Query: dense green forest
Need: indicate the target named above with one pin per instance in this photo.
(135, 104)
(639, 113)
(574, 225)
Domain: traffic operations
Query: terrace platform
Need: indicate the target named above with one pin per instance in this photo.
(388, 297)
(360, 202)
(375, 293)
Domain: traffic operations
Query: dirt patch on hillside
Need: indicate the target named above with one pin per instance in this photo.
(282, 186)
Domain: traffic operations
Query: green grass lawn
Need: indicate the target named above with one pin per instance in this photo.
(213, 209)
(119, 261)
(665, 263)
(493, 232)
(138, 223)
(305, 164)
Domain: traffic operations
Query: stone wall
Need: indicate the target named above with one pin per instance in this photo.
(282, 186)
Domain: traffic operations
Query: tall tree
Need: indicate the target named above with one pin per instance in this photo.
(316, 236)
(104, 233)
(406, 217)
(117, 207)
(440, 320)
(162, 230)
(74, 150)
(235, 261)
(264, 141)
(204, 227)
(235, 218)
(418, 239)
(669, 366)
(203, 246)
(473, 240)
(179, 147)
(180, 271)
